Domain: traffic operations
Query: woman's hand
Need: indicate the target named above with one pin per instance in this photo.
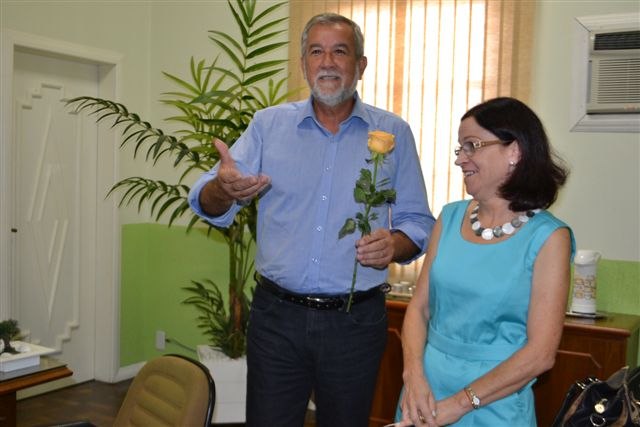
(451, 409)
(418, 404)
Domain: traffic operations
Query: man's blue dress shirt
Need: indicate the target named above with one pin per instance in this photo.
(313, 173)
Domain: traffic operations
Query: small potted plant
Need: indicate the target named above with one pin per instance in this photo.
(9, 331)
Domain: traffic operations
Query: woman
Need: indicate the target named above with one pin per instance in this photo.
(487, 314)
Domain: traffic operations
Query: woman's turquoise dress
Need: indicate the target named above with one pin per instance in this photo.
(478, 303)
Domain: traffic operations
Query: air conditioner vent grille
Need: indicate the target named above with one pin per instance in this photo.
(614, 72)
(617, 41)
(618, 81)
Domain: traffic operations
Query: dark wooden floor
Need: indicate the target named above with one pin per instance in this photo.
(93, 401)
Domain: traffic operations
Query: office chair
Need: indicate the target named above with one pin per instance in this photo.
(170, 390)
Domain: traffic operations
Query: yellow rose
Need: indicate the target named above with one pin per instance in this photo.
(381, 142)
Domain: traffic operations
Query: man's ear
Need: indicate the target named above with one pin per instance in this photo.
(362, 62)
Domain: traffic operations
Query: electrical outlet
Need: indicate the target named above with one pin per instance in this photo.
(160, 340)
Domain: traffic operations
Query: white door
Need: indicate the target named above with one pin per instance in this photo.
(55, 209)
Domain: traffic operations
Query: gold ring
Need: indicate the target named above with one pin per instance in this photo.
(421, 417)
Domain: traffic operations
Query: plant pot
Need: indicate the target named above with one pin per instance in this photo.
(230, 377)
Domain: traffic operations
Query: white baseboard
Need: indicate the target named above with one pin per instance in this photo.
(128, 372)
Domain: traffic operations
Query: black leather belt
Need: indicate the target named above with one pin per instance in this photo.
(319, 301)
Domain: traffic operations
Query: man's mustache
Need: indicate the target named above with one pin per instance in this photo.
(328, 73)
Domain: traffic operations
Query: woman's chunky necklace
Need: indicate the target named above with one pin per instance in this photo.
(498, 231)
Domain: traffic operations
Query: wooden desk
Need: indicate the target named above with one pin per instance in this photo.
(10, 382)
(588, 347)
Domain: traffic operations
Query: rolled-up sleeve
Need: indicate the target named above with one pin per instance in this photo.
(411, 213)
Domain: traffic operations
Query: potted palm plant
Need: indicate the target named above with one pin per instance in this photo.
(218, 100)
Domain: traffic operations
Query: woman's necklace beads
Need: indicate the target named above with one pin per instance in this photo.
(505, 229)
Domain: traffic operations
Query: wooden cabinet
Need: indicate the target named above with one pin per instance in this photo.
(389, 382)
(588, 347)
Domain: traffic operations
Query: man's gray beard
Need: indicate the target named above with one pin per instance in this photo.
(336, 98)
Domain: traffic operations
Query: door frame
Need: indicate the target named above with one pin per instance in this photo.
(107, 275)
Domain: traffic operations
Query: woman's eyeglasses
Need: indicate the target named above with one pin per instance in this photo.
(470, 146)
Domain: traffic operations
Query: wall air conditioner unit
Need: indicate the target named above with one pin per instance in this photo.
(614, 72)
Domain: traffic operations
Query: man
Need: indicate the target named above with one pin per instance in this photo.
(302, 159)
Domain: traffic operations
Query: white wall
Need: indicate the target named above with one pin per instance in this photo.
(122, 28)
(153, 36)
(602, 198)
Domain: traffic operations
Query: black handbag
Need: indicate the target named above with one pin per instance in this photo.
(595, 403)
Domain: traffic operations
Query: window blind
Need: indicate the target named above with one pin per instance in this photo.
(429, 62)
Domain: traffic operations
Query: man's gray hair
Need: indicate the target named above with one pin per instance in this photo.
(334, 18)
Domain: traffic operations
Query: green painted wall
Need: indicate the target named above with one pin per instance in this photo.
(618, 287)
(157, 261)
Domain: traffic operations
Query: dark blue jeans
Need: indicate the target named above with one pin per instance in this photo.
(293, 350)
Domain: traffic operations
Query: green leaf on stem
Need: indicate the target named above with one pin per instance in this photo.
(365, 179)
(360, 195)
(348, 228)
(377, 199)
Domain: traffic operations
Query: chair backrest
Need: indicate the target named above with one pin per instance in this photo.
(170, 390)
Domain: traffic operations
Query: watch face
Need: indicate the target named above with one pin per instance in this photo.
(476, 401)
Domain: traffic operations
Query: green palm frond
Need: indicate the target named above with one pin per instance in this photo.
(218, 99)
(214, 320)
(136, 130)
(160, 195)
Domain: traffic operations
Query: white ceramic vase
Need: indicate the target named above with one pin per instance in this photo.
(230, 376)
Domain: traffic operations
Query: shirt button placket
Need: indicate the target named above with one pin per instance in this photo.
(322, 209)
